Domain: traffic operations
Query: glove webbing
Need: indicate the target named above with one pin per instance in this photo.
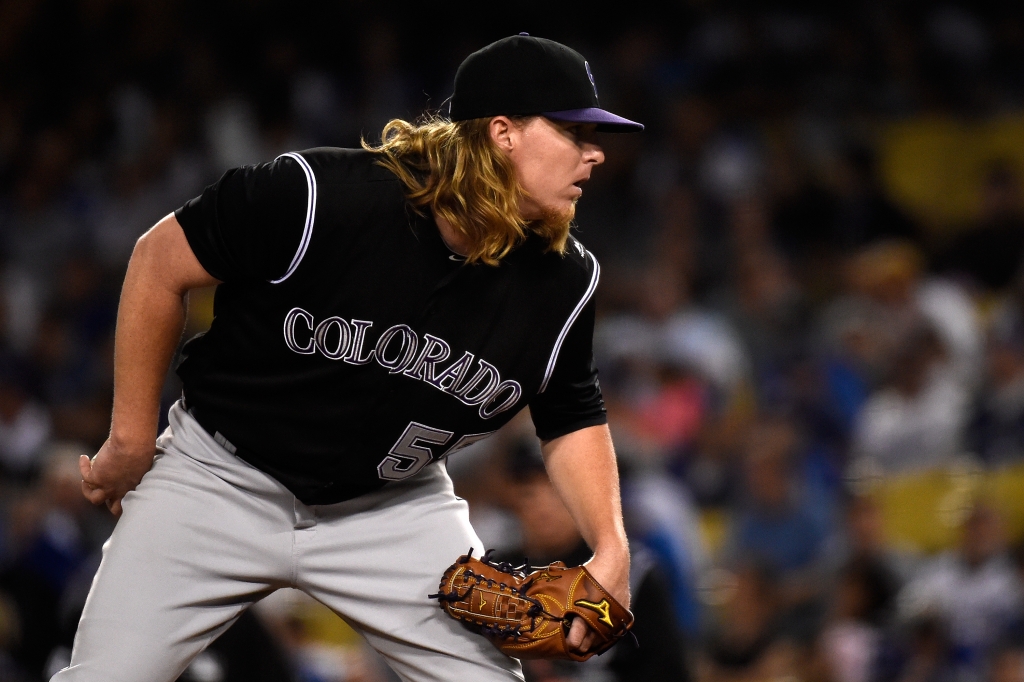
(505, 631)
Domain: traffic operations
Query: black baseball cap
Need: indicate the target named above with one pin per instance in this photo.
(527, 76)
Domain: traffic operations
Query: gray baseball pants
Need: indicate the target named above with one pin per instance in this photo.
(206, 535)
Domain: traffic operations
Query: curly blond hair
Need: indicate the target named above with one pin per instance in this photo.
(454, 170)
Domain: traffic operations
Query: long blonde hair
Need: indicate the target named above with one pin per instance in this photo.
(455, 170)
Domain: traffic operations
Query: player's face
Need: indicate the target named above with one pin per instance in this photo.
(552, 160)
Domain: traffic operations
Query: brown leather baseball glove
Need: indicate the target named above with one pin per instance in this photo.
(526, 611)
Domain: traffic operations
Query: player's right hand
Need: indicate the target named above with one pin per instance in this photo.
(113, 473)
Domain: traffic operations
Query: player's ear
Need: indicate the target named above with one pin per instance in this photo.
(500, 129)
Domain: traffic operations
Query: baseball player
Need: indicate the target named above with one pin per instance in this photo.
(377, 310)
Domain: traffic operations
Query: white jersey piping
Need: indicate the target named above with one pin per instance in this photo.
(568, 323)
(307, 230)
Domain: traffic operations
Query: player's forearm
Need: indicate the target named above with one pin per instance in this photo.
(582, 468)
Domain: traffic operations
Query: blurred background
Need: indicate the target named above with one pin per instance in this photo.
(810, 332)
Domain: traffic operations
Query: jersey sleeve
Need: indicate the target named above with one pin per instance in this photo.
(572, 399)
(251, 224)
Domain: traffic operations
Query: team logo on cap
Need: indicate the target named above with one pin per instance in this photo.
(591, 77)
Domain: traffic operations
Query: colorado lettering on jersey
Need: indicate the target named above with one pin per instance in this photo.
(400, 351)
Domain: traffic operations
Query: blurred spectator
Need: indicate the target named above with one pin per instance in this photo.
(996, 432)
(55, 531)
(888, 297)
(975, 589)
(68, 528)
(783, 524)
(866, 544)
(917, 419)
(746, 643)
(46, 220)
(73, 351)
(25, 425)
(920, 339)
(667, 327)
(768, 311)
(678, 379)
(853, 638)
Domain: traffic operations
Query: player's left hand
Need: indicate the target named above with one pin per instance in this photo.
(612, 572)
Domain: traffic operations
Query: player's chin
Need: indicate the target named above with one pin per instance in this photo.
(556, 220)
(563, 210)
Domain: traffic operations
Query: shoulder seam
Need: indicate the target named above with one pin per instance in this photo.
(391, 177)
(595, 276)
(307, 230)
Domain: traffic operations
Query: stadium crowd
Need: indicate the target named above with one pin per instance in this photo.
(810, 332)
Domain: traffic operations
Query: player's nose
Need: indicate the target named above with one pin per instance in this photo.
(593, 154)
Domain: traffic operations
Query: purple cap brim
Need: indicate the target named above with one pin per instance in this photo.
(606, 121)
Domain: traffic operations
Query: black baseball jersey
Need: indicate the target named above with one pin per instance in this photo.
(350, 347)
